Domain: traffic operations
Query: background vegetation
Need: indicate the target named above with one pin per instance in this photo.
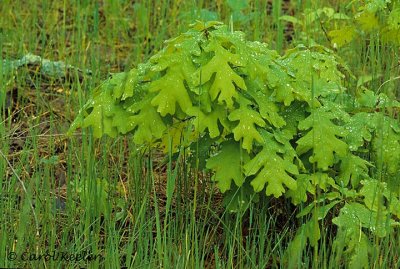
(106, 197)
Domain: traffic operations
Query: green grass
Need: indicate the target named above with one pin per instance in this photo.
(127, 206)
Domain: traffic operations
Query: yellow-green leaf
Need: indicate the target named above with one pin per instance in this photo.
(341, 37)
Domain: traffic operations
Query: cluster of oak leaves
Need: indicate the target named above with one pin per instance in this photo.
(285, 125)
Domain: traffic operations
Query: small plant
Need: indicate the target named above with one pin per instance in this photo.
(374, 18)
(282, 125)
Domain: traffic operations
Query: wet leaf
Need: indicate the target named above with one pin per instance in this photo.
(227, 165)
(246, 128)
(322, 139)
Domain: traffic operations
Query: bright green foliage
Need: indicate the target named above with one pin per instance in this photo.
(299, 194)
(248, 120)
(226, 81)
(177, 136)
(352, 169)
(394, 19)
(171, 91)
(227, 165)
(268, 110)
(178, 67)
(209, 121)
(149, 124)
(104, 110)
(265, 123)
(354, 216)
(359, 129)
(378, 17)
(309, 232)
(322, 180)
(372, 191)
(386, 144)
(102, 115)
(316, 73)
(342, 36)
(271, 169)
(322, 139)
(238, 199)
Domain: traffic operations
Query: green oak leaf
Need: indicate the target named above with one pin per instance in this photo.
(177, 136)
(292, 115)
(120, 120)
(354, 216)
(115, 83)
(202, 26)
(343, 36)
(227, 165)
(176, 62)
(394, 203)
(372, 191)
(203, 121)
(390, 35)
(307, 183)
(367, 98)
(200, 151)
(259, 60)
(281, 82)
(322, 180)
(275, 77)
(304, 185)
(102, 107)
(201, 98)
(268, 109)
(359, 129)
(172, 91)
(246, 128)
(367, 21)
(379, 198)
(127, 88)
(352, 169)
(131, 89)
(361, 246)
(271, 169)
(316, 72)
(322, 139)
(284, 139)
(177, 54)
(97, 118)
(386, 144)
(149, 125)
(226, 80)
(110, 85)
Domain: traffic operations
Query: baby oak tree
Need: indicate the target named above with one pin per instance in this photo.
(278, 125)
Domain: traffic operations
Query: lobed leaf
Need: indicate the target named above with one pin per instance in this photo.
(271, 169)
(246, 128)
(225, 79)
(322, 139)
(227, 165)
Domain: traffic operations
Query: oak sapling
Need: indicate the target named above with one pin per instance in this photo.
(274, 121)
